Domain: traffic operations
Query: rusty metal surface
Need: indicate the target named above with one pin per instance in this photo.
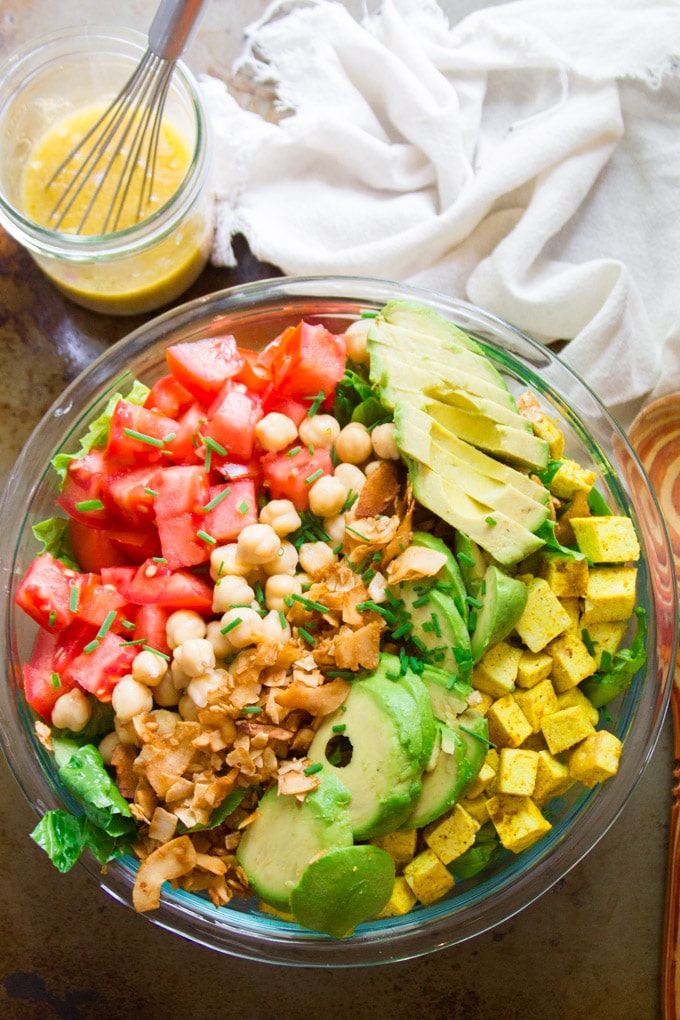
(590, 948)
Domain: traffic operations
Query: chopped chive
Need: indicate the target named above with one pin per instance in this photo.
(208, 460)
(230, 626)
(337, 549)
(142, 437)
(282, 619)
(310, 449)
(309, 604)
(156, 651)
(353, 531)
(588, 641)
(472, 621)
(472, 601)
(56, 680)
(422, 600)
(205, 537)
(310, 479)
(91, 646)
(312, 769)
(435, 625)
(243, 507)
(309, 638)
(136, 641)
(52, 619)
(344, 674)
(74, 595)
(605, 660)
(159, 559)
(216, 499)
(317, 401)
(151, 492)
(405, 628)
(418, 643)
(89, 504)
(106, 625)
(170, 436)
(293, 452)
(477, 736)
(339, 727)
(352, 497)
(467, 560)
(373, 606)
(213, 445)
(491, 521)
(252, 709)
(128, 624)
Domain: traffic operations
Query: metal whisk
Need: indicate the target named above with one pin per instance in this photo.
(134, 117)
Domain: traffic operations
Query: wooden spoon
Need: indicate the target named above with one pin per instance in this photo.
(655, 436)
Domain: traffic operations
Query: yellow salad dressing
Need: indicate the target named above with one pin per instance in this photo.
(134, 282)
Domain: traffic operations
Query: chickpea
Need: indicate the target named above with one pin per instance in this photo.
(279, 586)
(231, 590)
(166, 693)
(281, 515)
(353, 445)
(258, 543)
(182, 625)
(335, 528)
(72, 711)
(384, 445)
(165, 721)
(285, 561)
(225, 559)
(243, 632)
(195, 656)
(187, 709)
(275, 628)
(149, 668)
(319, 430)
(179, 678)
(220, 642)
(352, 477)
(201, 686)
(275, 431)
(107, 745)
(327, 496)
(355, 341)
(315, 557)
(129, 698)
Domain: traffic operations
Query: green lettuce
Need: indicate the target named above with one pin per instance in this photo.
(605, 685)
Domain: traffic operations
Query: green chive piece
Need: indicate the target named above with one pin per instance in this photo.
(310, 479)
(205, 537)
(467, 560)
(52, 619)
(156, 651)
(151, 492)
(339, 727)
(312, 769)
(317, 401)
(252, 709)
(588, 641)
(89, 648)
(106, 625)
(243, 507)
(89, 504)
(282, 619)
(170, 436)
(216, 499)
(56, 681)
(142, 438)
(309, 638)
(230, 626)
(293, 452)
(491, 521)
(212, 444)
(74, 595)
(353, 531)
(309, 603)
(208, 460)
(605, 660)
(128, 624)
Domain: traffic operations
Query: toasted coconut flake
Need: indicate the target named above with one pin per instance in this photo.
(162, 826)
(44, 734)
(415, 562)
(359, 649)
(294, 782)
(315, 700)
(379, 491)
(122, 760)
(168, 862)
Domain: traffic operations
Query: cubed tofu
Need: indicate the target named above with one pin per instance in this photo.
(545, 428)
(517, 772)
(533, 667)
(552, 778)
(496, 671)
(605, 638)
(480, 701)
(517, 820)
(401, 846)
(477, 807)
(452, 835)
(596, 758)
(610, 595)
(508, 725)
(569, 478)
(572, 662)
(572, 607)
(566, 575)
(479, 784)
(575, 696)
(543, 618)
(566, 727)
(402, 900)
(534, 742)
(536, 702)
(428, 878)
(606, 539)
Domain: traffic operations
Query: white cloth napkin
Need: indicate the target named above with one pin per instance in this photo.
(526, 159)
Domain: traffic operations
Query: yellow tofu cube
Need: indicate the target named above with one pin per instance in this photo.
(452, 835)
(569, 478)
(566, 727)
(508, 725)
(610, 595)
(492, 761)
(517, 820)
(401, 846)
(552, 778)
(496, 671)
(534, 742)
(480, 701)
(428, 878)
(596, 758)
(606, 539)
(536, 702)
(517, 772)
(566, 576)
(572, 606)
(575, 696)
(477, 807)
(605, 638)
(572, 662)
(479, 784)
(545, 428)
(533, 667)
(543, 618)
(402, 900)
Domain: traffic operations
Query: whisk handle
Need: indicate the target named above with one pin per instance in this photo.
(172, 26)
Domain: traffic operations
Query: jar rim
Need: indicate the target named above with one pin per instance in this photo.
(37, 57)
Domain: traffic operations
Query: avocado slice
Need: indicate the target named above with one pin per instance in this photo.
(503, 600)
(381, 727)
(507, 442)
(286, 834)
(472, 562)
(342, 888)
(450, 573)
(448, 695)
(437, 626)
(418, 318)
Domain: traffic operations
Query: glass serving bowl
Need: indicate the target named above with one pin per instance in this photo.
(255, 314)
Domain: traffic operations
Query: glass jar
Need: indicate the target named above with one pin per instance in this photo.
(131, 270)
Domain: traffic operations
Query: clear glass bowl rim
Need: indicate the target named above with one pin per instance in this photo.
(266, 939)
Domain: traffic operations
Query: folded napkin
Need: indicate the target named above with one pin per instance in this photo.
(524, 158)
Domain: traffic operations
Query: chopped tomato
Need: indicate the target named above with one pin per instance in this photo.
(182, 494)
(135, 544)
(82, 492)
(94, 548)
(47, 590)
(138, 435)
(100, 665)
(233, 506)
(203, 366)
(169, 397)
(43, 685)
(187, 446)
(150, 626)
(291, 473)
(232, 419)
(255, 376)
(305, 360)
(131, 494)
(294, 409)
(155, 583)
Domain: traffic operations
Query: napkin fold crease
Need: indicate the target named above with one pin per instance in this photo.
(525, 159)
